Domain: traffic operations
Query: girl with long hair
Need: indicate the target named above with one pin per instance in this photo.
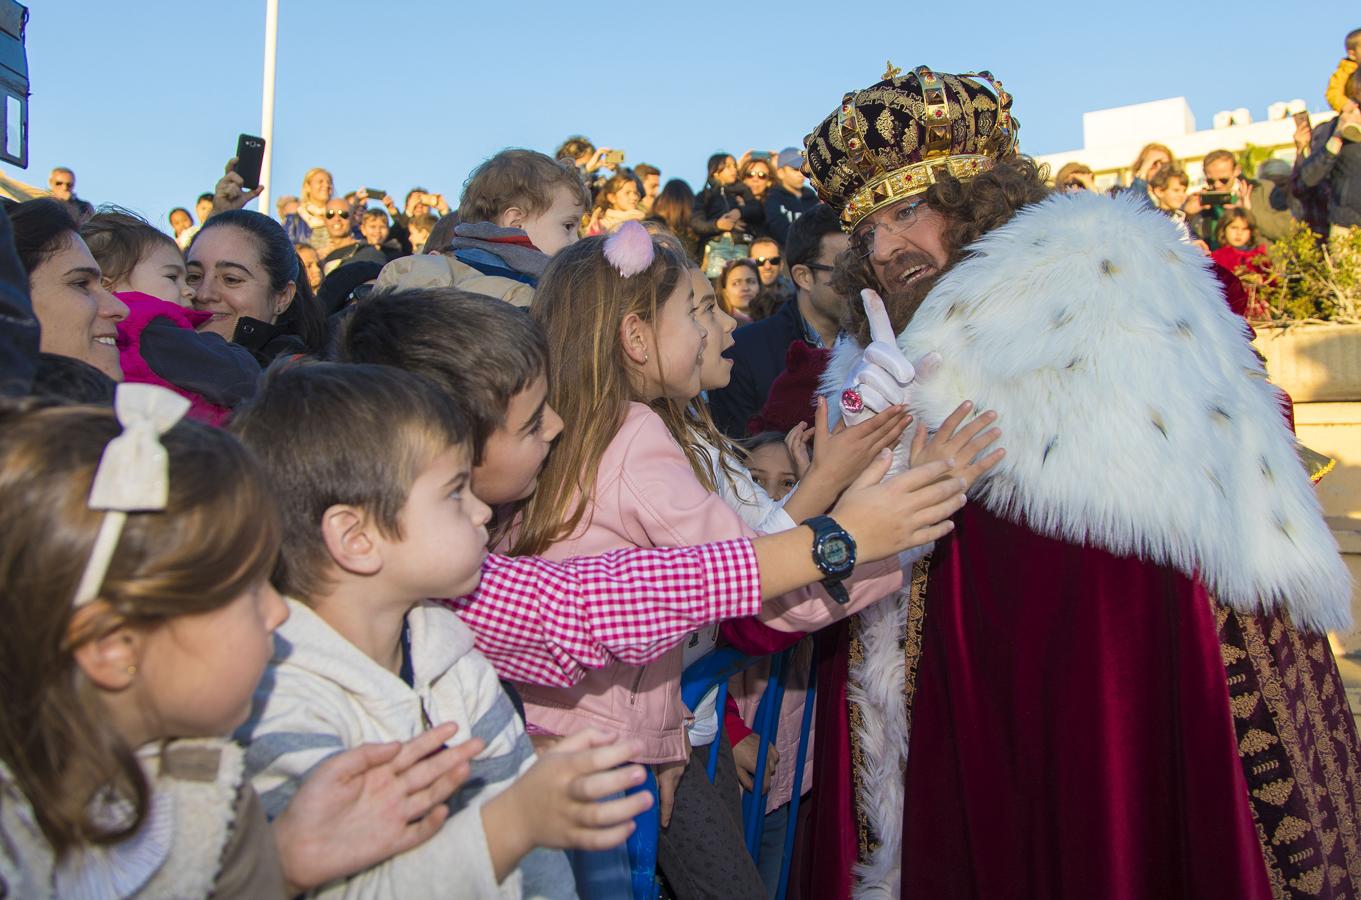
(634, 468)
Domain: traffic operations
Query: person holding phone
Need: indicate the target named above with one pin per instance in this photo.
(1334, 163)
(1225, 186)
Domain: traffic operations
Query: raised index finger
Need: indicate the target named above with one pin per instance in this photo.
(881, 328)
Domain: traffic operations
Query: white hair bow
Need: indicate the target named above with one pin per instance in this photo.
(133, 473)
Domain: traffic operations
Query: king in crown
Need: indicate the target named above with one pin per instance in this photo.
(1112, 679)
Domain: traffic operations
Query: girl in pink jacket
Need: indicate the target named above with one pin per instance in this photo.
(633, 468)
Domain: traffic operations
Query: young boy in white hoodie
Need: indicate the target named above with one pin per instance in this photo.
(373, 467)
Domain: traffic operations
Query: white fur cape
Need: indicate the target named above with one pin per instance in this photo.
(1136, 415)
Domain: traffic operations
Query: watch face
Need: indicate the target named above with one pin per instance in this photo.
(836, 552)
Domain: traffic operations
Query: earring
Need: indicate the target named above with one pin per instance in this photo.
(646, 357)
(132, 670)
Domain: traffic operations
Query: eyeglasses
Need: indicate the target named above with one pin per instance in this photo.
(767, 260)
(763, 176)
(819, 267)
(332, 213)
(900, 218)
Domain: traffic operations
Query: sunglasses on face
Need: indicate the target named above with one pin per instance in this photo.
(61, 184)
(1218, 181)
(763, 176)
(767, 260)
(332, 213)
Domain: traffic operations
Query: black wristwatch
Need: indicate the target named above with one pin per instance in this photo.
(833, 554)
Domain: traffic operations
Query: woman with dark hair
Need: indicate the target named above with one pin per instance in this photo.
(726, 205)
(673, 208)
(738, 285)
(726, 214)
(758, 175)
(77, 315)
(244, 270)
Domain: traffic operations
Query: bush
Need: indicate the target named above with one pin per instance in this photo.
(1309, 280)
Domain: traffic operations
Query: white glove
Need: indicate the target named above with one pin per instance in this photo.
(883, 377)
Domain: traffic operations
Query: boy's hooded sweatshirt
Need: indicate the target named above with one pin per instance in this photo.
(321, 695)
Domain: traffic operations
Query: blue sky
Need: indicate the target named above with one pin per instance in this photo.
(145, 99)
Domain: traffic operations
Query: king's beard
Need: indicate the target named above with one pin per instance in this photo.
(906, 281)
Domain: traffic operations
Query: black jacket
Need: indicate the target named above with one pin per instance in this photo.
(783, 209)
(758, 356)
(717, 199)
(18, 325)
(267, 342)
(1338, 174)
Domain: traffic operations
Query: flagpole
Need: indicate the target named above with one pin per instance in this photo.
(267, 101)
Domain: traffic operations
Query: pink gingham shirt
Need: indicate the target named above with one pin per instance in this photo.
(546, 622)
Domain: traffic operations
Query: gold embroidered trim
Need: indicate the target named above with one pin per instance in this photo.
(909, 181)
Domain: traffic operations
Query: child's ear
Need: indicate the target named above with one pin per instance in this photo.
(110, 661)
(512, 217)
(351, 539)
(634, 338)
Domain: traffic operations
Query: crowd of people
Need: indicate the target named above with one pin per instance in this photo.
(1233, 217)
(377, 538)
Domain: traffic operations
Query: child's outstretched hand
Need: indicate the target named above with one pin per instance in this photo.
(368, 804)
(905, 511)
(799, 441)
(840, 455)
(965, 444)
(559, 801)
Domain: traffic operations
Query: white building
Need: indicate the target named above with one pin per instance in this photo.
(1112, 138)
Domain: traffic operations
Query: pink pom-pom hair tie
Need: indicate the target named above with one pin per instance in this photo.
(630, 249)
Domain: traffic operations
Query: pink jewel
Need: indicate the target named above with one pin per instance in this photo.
(851, 402)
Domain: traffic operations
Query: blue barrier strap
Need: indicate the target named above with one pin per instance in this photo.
(807, 729)
(767, 727)
(712, 766)
(642, 844)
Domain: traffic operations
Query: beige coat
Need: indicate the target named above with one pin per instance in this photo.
(206, 837)
(434, 271)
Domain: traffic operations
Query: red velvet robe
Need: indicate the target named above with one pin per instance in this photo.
(1086, 725)
(1071, 732)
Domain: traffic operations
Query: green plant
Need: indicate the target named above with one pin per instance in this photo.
(1308, 280)
(1252, 156)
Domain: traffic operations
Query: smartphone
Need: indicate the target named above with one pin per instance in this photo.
(376, 193)
(760, 154)
(1216, 198)
(1301, 118)
(614, 158)
(250, 156)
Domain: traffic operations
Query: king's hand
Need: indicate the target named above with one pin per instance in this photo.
(883, 377)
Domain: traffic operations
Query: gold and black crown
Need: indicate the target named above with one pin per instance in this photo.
(896, 138)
